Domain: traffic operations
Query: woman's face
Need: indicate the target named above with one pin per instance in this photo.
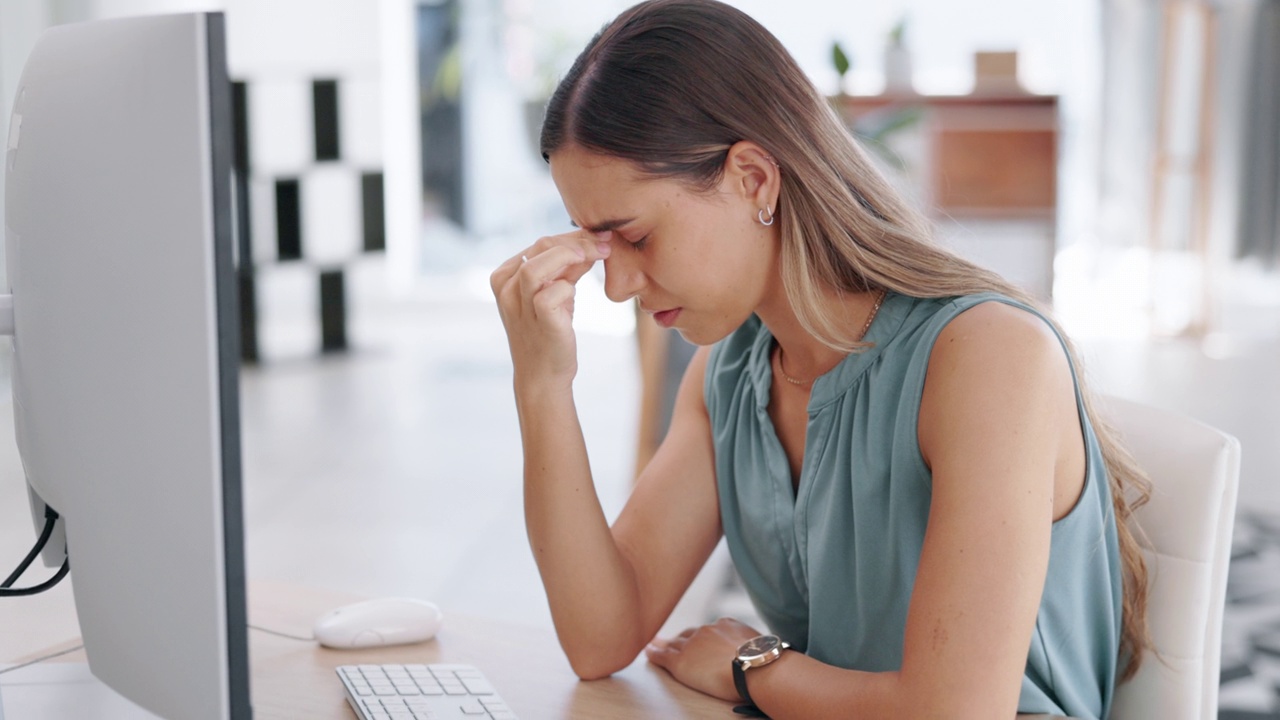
(697, 261)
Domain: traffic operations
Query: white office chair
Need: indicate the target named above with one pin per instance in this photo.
(1195, 471)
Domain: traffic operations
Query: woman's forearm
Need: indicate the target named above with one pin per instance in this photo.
(590, 585)
(797, 686)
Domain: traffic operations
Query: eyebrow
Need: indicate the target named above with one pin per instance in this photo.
(607, 225)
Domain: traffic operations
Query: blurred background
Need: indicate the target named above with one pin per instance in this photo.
(1118, 158)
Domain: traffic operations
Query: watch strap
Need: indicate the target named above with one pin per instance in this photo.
(740, 682)
(748, 708)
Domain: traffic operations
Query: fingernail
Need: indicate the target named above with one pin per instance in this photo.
(604, 248)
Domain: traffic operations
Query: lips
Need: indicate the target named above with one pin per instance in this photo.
(667, 318)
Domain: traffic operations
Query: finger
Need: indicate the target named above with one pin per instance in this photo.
(502, 274)
(662, 656)
(598, 249)
(515, 283)
(574, 273)
(584, 239)
(676, 643)
(688, 633)
(591, 247)
(734, 626)
(556, 297)
(590, 243)
(547, 266)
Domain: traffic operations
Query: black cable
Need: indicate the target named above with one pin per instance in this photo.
(50, 519)
(34, 589)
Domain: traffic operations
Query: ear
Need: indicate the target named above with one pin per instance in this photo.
(751, 173)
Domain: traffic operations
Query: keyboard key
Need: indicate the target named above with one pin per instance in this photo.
(478, 686)
(422, 692)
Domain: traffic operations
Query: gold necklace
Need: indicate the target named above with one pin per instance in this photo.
(865, 327)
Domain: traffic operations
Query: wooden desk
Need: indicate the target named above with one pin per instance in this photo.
(293, 680)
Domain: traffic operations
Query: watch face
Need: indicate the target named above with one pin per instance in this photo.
(757, 646)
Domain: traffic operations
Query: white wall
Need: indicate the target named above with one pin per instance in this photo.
(1054, 37)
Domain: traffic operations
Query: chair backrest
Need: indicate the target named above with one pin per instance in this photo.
(1195, 471)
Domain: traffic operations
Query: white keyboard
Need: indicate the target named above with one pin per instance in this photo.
(422, 692)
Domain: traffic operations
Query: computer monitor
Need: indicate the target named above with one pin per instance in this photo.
(125, 374)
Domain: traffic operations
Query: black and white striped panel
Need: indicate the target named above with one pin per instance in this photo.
(310, 193)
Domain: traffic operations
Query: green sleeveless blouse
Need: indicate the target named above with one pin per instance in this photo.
(830, 568)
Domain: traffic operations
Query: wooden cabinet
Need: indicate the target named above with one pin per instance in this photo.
(986, 155)
(983, 165)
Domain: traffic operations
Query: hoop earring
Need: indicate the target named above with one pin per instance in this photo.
(760, 216)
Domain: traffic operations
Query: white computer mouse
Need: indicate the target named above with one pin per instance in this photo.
(375, 623)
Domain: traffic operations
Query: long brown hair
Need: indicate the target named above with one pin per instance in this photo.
(670, 85)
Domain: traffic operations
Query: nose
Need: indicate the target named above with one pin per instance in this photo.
(623, 277)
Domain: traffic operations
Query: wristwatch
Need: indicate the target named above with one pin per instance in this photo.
(756, 652)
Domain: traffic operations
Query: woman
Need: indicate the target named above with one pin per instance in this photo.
(894, 442)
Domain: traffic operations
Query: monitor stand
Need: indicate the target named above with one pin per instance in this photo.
(62, 691)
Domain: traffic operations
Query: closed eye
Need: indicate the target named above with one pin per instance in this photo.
(639, 244)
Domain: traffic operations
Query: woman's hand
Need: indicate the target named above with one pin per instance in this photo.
(701, 657)
(535, 292)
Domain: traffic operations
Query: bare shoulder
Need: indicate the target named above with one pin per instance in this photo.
(994, 363)
(995, 336)
(1008, 326)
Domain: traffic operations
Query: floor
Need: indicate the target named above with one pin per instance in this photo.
(395, 468)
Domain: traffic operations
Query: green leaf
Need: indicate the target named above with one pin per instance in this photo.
(838, 57)
(897, 35)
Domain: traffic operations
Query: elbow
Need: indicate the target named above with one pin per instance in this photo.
(598, 663)
(587, 671)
